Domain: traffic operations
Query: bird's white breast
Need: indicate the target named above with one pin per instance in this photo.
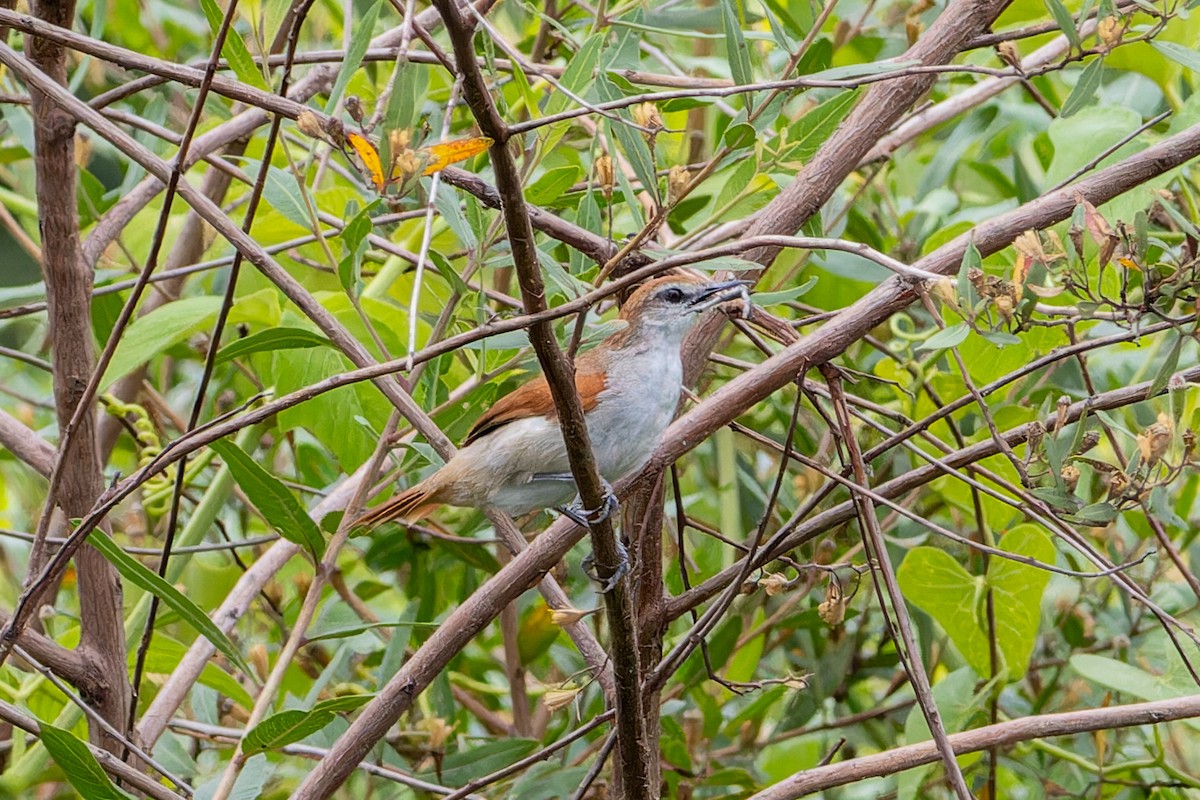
(632, 411)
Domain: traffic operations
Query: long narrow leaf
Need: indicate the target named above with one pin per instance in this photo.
(141, 576)
(276, 502)
(83, 771)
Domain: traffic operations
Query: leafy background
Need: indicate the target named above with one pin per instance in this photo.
(801, 667)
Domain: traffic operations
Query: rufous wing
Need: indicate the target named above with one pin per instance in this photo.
(533, 399)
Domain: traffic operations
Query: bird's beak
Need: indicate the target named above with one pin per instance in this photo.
(714, 294)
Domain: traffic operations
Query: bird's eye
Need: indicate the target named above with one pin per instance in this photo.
(672, 294)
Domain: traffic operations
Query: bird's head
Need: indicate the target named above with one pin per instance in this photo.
(671, 304)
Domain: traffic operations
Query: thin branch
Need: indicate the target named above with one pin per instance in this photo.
(876, 548)
(814, 780)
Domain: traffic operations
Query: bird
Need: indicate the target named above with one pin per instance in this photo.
(514, 457)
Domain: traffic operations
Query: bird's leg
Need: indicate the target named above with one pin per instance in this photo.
(586, 518)
(583, 517)
(606, 586)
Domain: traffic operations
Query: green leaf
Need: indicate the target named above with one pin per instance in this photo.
(164, 656)
(933, 581)
(234, 50)
(811, 130)
(1085, 89)
(1122, 677)
(550, 186)
(141, 576)
(767, 299)
(163, 328)
(282, 193)
(737, 182)
(1065, 21)
(271, 340)
(1186, 57)
(1169, 365)
(278, 505)
(1017, 595)
(355, 235)
(468, 764)
(1096, 514)
(578, 74)
(947, 338)
(81, 768)
(289, 727)
(739, 136)
(735, 43)
(360, 38)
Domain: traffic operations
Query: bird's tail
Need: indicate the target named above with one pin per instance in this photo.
(410, 505)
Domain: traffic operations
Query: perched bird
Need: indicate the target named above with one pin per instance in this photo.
(514, 457)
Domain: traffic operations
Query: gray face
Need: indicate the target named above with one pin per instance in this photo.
(677, 305)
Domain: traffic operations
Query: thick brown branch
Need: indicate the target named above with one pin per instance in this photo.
(69, 297)
(560, 375)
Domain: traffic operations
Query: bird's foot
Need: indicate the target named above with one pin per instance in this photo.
(610, 583)
(587, 517)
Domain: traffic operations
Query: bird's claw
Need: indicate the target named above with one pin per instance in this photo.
(610, 583)
(587, 517)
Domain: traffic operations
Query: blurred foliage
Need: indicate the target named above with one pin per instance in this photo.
(806, 643)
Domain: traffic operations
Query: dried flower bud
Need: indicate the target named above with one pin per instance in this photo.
(1154, 440)
(1108, 31)
(678, 179)
(439, 732)
(354, 108)
(1070, 476)
(1037, 431)
(603, 170)
(1117, 484)
(1090, 440)
(259, 661)
(773, 584)
(1064, 405)
(693, 728)
(310, 124)
(1008, 54)
(646, 116)
(569, 615)
(833, 608)
(1029, 244)
(1019, 273)
(945, 290)
(83, 150)
(1004, 305)
(555, 699)
(976, 278)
